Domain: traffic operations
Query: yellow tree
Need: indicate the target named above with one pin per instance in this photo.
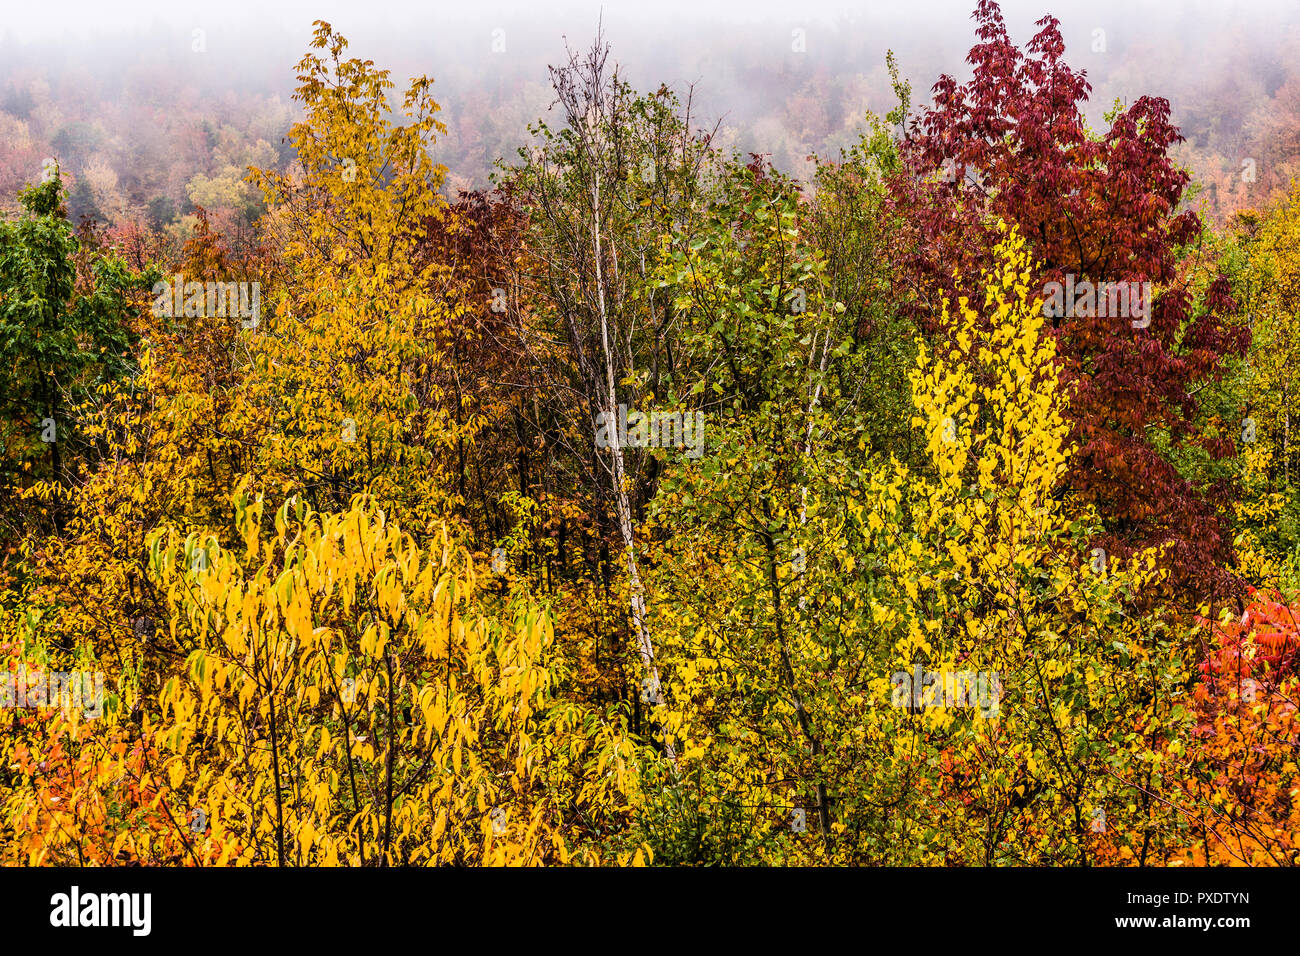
(982, 691)
(346, 362)
(1270, 450)
(1077, 691)
(341, 701)
(332, 390)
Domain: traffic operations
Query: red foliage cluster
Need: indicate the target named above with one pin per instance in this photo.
(1237, 787)
(1271, 626)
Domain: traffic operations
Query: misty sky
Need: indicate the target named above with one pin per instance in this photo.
(392, 27)
(926, 33)
(736, 54)
(84, 18)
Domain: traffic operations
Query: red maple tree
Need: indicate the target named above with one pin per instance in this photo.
(1012, 144)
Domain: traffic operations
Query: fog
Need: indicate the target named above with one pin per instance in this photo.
(787, 79)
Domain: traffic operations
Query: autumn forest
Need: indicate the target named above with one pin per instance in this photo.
(653, 503)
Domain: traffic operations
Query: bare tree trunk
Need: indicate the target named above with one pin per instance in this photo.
(654, 693)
